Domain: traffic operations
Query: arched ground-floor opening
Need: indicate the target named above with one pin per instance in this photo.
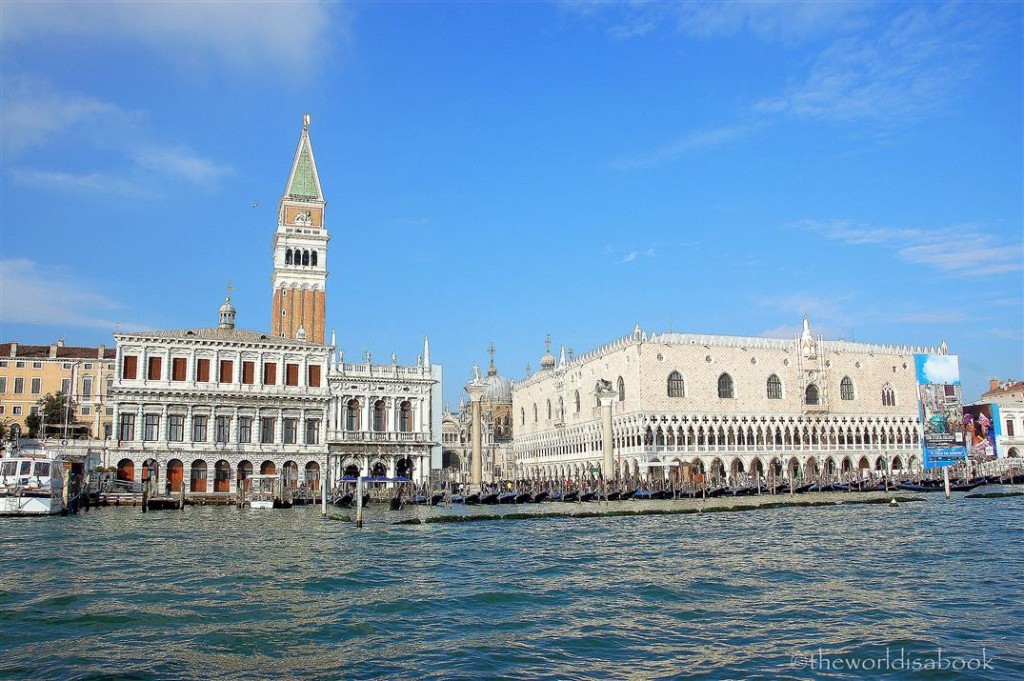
(403, 468)
(290, 472)
(268, 468)
(126, 470)
(312, 475)
(175, 474)
(197, 479)
(151, 471)
(244, 470)
(222, 476)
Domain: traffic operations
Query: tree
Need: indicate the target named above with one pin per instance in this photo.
(32, 422)
(56, 409)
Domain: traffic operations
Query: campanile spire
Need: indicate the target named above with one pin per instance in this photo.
(300, 250)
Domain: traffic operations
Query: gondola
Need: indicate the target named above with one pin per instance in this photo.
(643, 495)
(718, 492)
(571, 496)
(523, 498)
(588, 496)
(840, 487)
(489, 499)
(743, 491)
(627, 495)
(472, 499)
(614, 496)
(457, 498)
(507, 498)
(396, 503)
(343, 501)
(555, 496)
(419, 499)
(539, 497)
(436, 498)
(281, 503)
(914, 487)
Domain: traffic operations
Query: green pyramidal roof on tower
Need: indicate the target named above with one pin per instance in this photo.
(304, 183)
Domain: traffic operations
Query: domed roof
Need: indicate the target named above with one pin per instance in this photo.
(547, 362)
(497, 389)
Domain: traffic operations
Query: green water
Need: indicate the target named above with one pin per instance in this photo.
(217, 592)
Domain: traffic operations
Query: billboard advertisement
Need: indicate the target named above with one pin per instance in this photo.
(942, 417)
(981, 423)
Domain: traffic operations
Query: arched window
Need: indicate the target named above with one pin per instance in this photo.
(352, 415)
(288, 257)
(888, 396)
(561, 408)
(405, 417)
(622, 390)
(379, 416)
(577, 401)
(811, 394)
(522, 416)
(305, 257)
(676, 386)
(774, 387)
(846, 388)
(725, 390)
(312, 258)
(549, 409)
(535, 413)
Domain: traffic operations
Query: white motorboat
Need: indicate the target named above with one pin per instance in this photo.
(267, 491)
(31, 485)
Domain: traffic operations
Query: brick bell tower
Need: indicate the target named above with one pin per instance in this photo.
(300, 251)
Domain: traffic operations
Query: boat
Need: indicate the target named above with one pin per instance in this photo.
(436, 498)
(457, 499)
(508, 498)
(614, 496)
(31, 485)
(588, 496)
(627, 495)
(523, 498)
(539, 497)
(263, 491)
(343, 501)
(643, 494)
(571, 496)
(472, 499)
(489, 499)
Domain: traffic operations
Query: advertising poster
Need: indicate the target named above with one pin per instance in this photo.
(981, 421)
(942, 417)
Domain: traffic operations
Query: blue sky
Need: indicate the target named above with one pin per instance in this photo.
(501, 171)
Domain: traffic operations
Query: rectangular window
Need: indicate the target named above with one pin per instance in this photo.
(86, 411)
(203, 370)
(248, 373)
(126, 431)
(289, 431)
(88, 366)
(1009, 427)
(179, 368)
(107, 430)
(270, 374)
(313, 432)
(66, 365)
(86, 388)
(129, 367)
(151, 427)
(314, 376)
(223, 429)
(33, 410)
(37, 365)
(65, 386)
(3, 409)
(3, 384)
(110, 411)
(291, 375)
(110, 384)
(176, 428)
(19, 365)
(245, 429)
(227, 369)
(19, 386)
(199, 429)
(3, 365)
(267, 430)
(17, 411)
(37, 386)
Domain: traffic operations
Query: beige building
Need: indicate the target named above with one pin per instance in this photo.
(685, 404)
(28, 372)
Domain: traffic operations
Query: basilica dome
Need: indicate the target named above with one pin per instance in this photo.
(497, 388)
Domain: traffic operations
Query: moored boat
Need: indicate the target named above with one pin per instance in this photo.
(31, 485)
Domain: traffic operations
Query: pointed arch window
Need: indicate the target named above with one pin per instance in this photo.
(288, 257)
(774, 387)
(888, 396)
(305, 257)
(549, 410)
(725, 387)
(846, 388)
(577, 398)
(522, 416)
(676, 385)
(811, 395)
(622, 390)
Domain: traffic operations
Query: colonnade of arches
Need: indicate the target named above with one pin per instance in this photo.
(732, 467)
(305, 258)
(200, 476)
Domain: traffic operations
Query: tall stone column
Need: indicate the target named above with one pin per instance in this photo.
(606, 395)
(476, 470)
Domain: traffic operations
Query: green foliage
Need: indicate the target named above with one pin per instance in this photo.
(32, 422)
(55, 408)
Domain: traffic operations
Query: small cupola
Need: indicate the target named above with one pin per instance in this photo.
(227, 315)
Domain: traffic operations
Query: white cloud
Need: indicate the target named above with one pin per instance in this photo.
(690, 143)
(633, 255)
(34, 294)
(941, 369)
(960, 250)
(287, 37)
(35, 115)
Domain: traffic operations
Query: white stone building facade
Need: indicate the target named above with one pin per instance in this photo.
(687, 404)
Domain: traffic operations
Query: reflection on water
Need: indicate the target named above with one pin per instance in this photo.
(220, 592)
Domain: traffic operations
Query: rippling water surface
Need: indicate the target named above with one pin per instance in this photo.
(219, 592)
